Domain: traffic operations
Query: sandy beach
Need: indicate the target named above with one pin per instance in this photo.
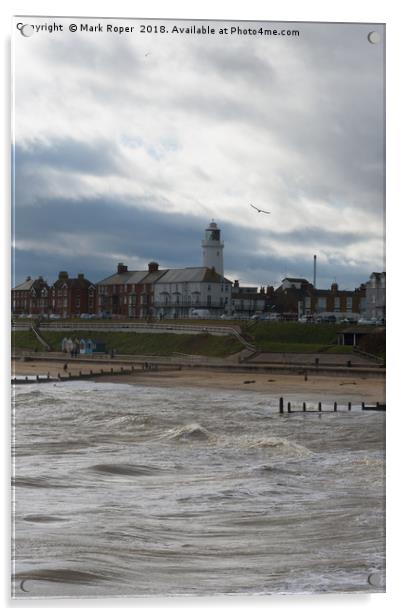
(325, 388)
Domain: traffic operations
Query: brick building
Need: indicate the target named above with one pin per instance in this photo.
(336, 301)
(248, 300)
(168, 293)
(298, 296)
(31, 297)
(72, 296)
(129, 293)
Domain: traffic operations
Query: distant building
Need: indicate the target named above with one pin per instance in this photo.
(31, 297)
(247, 301)
(297, 296)
(170, 293)
(339, 302)
(129, 293)
(183, 292)
(295, 283)
(72, 296)
(376, 296)
(288, 299)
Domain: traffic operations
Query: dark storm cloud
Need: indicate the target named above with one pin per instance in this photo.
(96, 158)
(174, 240)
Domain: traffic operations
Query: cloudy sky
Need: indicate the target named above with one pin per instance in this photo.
(126, 146)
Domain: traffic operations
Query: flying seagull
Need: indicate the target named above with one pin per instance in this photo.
(257, 209)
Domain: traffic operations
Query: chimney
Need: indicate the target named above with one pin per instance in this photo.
(236, 284)
(81, 276)
(334, 288)
(153, 266)
(63, 275)
(28, 278)
(121, 268)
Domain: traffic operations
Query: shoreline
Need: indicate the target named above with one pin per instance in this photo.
(355, 389)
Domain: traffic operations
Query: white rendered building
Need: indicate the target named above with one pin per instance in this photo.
(192, 291)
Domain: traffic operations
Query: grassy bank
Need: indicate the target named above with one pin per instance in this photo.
(290, 337)
(277, 336)
(135, 343)
(265, 334)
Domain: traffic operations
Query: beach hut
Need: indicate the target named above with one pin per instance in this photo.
(88, 346)
(99, 346)
(67, 345)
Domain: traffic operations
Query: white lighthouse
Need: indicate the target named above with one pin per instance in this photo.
(213, 249)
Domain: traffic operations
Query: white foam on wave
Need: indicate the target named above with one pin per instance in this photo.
(272, 444)
(190, 432)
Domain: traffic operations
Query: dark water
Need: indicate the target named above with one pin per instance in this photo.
(133, 491)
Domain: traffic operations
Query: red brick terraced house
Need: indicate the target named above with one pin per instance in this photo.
(128, 293)
(298, 296)
(73, 296)
(335, 301)
(31, 297)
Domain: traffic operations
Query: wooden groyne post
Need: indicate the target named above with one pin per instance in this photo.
(281, 406)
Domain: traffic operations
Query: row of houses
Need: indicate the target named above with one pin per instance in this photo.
(168, 293)
(65, 297)
(192, 291)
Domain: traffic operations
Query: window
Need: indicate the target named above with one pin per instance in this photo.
(337, 304)
(321, 304)
(349, 304)
(208, 300)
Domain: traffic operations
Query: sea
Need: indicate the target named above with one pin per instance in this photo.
(129, 491)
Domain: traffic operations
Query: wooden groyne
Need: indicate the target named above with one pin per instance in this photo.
(334, 407)
(68, 376)
(219, 364)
